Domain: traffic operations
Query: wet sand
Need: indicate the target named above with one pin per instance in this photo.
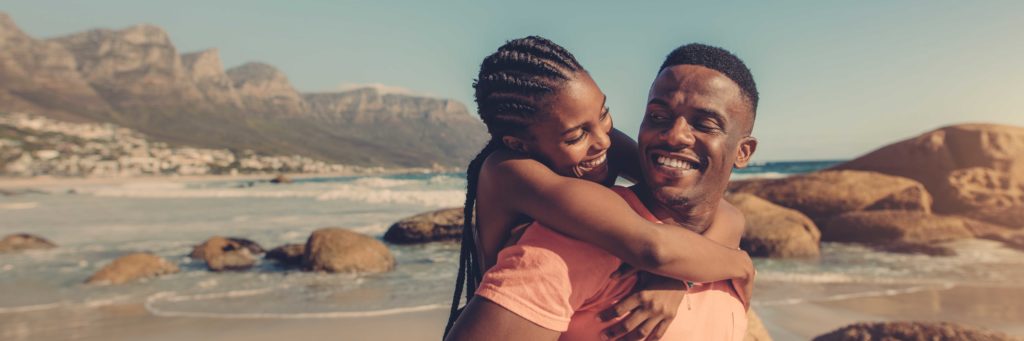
(995, 308)
(990, 307)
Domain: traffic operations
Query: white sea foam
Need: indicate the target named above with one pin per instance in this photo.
(862, 294)
(28, 308)
(18, 205)
(153, 300)
(765, 175)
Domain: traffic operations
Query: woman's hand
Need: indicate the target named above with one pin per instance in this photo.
(648, 311)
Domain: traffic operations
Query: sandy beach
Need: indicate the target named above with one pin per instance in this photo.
(994, 308)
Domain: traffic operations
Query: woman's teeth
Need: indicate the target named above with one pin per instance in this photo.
(671, 162)
(595, 162)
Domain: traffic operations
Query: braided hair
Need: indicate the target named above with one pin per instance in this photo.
(509, 91)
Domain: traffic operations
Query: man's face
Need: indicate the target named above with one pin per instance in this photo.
(695, 129)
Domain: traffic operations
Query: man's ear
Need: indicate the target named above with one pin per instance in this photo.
(515, 143)
(746, 150)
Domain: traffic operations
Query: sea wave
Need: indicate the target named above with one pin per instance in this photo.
(861, 294)
(380, 191)
(168, 296)
(18, 205)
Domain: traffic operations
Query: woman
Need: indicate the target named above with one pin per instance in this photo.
(552, 151)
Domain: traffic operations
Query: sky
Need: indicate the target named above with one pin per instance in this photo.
(836, 80)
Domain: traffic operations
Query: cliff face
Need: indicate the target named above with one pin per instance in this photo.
(135, 77)
(266, 90)
(135, 69)
(207, 73)
(41, 76)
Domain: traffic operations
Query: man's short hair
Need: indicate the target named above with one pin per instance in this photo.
(717, 59)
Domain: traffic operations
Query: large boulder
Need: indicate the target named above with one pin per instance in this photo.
(775, 231)
(923, 331)
(755, 329)
(236, 259)
(822, 195)
(444, 224)
(884, 227)
(132, 267)
(339, 250)
(218, 244)
(24, 241)
(965, 167)
(289, 254)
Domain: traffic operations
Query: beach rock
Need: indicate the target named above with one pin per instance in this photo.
(24, 241)
(884, 227)
(217, 244)
(822, 195)
(775, 231)
(281, 179)
(339, 250)
(289, 254)
(965, 167)
(1011, 216)
(228, 260)
(444, 224)
(1010, 237)
(755, 329)
(923, 331)
(132, 267)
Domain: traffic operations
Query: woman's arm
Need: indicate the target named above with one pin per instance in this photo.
(592, 213)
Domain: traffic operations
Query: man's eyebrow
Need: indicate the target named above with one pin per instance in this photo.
(603, 102)
(714, 114)
(657, 101)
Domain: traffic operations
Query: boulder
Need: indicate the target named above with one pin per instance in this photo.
(911, 331)
(965, 167)
(1011, 216)
(290, 254)
(822, 195)
(24, 241)
(884, 227)
(444, 224)
(281, 179)
(984, 230)
(236, 259)
(132, 267)
(218, 244)
(755, 329)
(775, 231)
(339, 250)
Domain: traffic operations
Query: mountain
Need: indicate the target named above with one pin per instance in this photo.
(136, 77)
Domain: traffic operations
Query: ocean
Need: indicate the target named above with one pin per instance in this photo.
(96, 223)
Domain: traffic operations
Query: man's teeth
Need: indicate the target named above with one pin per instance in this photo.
(674, 163)
(595, 162)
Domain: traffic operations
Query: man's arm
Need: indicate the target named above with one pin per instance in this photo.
(594, 214)
(485, 320)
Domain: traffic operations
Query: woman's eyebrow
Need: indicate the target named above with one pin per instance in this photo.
(579, 126)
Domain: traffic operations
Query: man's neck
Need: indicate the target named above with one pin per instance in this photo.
(696, 217)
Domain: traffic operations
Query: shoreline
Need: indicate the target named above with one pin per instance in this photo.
(980, 306)
(38, 182)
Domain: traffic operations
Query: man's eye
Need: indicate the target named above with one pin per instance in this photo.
(658, 117)
(606, 114)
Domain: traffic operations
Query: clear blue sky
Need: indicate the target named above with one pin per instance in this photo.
(836, 80)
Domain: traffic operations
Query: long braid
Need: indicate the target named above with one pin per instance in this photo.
(509, 89)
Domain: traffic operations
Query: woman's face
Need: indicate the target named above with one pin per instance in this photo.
(572, 136)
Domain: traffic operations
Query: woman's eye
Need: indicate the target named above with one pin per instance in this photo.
(577, 139)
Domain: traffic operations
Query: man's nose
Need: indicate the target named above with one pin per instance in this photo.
(680, 134)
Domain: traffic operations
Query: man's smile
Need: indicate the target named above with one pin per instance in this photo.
(675, 164)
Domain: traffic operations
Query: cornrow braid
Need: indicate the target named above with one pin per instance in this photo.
(509, 91)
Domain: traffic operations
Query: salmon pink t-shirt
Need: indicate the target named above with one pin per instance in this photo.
(563, 284)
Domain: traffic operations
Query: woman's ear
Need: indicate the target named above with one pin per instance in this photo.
(515, 143)
(745, 152)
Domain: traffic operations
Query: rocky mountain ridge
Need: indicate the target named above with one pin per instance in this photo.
(136, 78)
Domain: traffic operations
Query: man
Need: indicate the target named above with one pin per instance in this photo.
(696, 128)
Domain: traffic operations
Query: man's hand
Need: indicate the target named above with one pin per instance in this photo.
(649, 310)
